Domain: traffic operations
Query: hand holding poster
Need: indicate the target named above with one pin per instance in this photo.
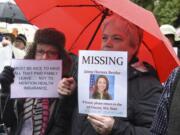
(102, 83)
(36, 78)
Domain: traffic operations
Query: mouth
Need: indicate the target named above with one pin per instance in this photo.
(107, 48)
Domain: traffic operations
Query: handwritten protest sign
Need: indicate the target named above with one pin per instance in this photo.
(36, 78)
(102, 83)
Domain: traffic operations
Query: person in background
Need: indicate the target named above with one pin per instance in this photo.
(101, 88)
(37, 116)
(177, 40)
(144, 88)
(169, 31)
(8, 40)
(20, 41)
(7, 115)
(167, 117)
(2, 31)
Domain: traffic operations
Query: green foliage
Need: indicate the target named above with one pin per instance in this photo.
(147, 4)
(166, 11)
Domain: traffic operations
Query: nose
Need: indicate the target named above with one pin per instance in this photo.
(109, 43)
(45, 56)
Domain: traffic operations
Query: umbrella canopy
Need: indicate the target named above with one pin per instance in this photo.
(69, 16)
(79, 20)
(10, 13)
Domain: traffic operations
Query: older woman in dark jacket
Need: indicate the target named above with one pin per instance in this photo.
(144, 88)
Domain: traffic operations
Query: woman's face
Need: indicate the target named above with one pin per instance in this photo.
(46, 52)
(115, 37)
(101, 85)
(19, 44)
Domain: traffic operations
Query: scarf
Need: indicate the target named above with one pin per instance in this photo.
(38, 111)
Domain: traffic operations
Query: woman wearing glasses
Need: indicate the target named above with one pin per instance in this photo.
(37, 116)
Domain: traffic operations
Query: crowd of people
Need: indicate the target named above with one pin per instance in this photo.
(152, 106)
(17, 43)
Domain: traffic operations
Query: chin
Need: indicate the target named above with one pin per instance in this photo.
(107, 49)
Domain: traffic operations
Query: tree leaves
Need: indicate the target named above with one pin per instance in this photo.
(166, 11)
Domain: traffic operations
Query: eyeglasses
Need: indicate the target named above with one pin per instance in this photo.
(49, 53)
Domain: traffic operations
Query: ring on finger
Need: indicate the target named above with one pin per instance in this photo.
(98, 129)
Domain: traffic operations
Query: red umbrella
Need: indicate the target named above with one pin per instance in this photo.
(79, 19)
(69, 16)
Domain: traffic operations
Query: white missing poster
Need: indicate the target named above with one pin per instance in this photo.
(102, 83)
(36, 78)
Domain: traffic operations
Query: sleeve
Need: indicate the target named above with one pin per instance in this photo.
(7, 75)
(6, 78)
(146, 96)
(65, 106)
(160, 122)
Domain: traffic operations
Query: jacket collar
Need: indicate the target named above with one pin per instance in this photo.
(137, 68)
